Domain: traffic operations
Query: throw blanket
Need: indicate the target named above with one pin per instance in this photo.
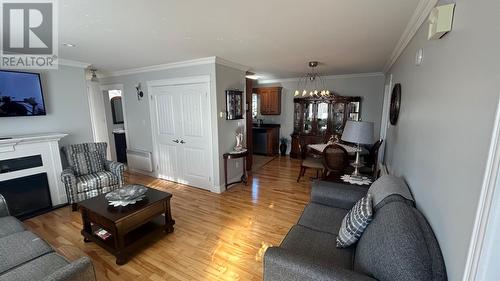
(387, 185)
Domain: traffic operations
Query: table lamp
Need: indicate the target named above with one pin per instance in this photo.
(358, 132)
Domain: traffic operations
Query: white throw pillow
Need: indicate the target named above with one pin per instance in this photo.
(355, 222)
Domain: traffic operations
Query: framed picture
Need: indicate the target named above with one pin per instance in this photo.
(234, 104)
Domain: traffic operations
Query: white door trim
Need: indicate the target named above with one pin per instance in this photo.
(473, 268)
(94, 94)
(179, 81)
(384, 123)
(172, 82)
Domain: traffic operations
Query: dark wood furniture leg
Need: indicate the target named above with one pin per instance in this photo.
(87, 227)
(121, 258)
(74, 207)
(225, 173)
(244, 177)
(169, 222)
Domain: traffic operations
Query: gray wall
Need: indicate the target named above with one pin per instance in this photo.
(441, 141)
(229, 78)
(138, 115)
(67, 108)
(370, 88)
(138, 119)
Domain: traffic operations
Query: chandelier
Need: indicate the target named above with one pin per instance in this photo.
(311, 84)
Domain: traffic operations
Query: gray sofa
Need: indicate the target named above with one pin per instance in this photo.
(25, 256)
(398, 245)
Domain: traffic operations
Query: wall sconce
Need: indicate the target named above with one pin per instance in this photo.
(140, 93)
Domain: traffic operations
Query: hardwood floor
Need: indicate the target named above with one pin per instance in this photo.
(216, 237)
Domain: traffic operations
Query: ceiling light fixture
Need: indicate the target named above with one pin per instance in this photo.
(311, 84)
(252, 76)
(94, 75)
(68, 45)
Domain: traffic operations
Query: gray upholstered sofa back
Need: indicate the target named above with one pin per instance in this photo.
(399, 245)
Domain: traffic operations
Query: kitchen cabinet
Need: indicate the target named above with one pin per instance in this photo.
(270, 100)
(266, 139)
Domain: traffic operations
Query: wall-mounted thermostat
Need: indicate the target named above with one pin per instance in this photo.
(440, 21)
(419, 57)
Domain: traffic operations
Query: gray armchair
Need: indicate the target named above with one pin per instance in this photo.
(89, 173)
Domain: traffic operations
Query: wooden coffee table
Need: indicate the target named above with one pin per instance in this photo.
(130, 226)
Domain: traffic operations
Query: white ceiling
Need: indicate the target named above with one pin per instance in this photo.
(275, 38)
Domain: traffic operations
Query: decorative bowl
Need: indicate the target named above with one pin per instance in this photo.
(127, 193)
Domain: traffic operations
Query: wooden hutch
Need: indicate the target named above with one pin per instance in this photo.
(318, 118)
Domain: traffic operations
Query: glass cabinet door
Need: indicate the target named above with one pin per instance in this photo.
(322, 117)
(308, 117)
(297, 113)
(354, 111)
(338, 117)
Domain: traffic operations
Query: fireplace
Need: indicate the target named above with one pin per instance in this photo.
(27, 196)
(30, 171)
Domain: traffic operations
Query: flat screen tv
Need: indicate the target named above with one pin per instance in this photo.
(20, 94)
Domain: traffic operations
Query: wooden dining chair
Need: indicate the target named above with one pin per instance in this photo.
(311, 161)
(335, 160)
(371, 161)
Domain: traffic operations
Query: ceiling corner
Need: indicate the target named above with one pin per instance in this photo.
(423, 9)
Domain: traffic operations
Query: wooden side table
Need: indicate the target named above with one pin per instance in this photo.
(228, 156)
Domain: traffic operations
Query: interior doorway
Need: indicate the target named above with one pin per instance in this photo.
(113, 108)
(108, 117)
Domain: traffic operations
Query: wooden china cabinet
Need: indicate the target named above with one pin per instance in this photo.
(318, 118)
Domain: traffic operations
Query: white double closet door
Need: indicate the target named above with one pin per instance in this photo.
(181, 133)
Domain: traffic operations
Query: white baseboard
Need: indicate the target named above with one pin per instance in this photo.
(135, 171)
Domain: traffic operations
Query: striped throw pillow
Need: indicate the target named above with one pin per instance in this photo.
(355, 222)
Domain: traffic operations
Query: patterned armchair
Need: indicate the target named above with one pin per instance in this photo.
(89, 173)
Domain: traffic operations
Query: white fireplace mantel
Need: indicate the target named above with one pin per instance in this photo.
(10, 142)
(47, 146)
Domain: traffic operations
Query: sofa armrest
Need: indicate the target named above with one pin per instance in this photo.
(337, 195)
(4, 209)
(281, 264)
(117, 169)
(79, 270)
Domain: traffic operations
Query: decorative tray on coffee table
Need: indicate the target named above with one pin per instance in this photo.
(127, 195)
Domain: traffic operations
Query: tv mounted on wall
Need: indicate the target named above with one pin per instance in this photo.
(20, 94)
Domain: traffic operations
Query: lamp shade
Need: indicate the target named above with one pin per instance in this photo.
(358, 132)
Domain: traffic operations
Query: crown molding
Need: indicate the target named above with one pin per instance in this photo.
(186, 63)
(73, 63)
(327, 77)
(423, 9)
(231, 64)
(158, 67)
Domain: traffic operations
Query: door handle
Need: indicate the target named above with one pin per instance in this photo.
(183, 142)
(176, 141)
